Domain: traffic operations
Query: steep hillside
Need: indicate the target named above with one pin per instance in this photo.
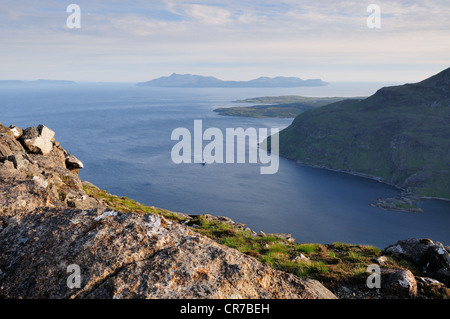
(400, 135)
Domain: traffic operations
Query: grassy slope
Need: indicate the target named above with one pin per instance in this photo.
(400, 134)
(334, 265)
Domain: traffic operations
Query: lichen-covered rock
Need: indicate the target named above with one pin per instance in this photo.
(130, 256)
(73, 163)
(431, 287)
(399, 282)
(17, 131)
(5, 130)
(29, 180)
(38, 140)
(412, 249)
(432, 257)
(438, 262)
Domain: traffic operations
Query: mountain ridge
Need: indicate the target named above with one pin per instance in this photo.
(399, 135)
(200, 81)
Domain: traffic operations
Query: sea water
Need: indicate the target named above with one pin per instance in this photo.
(122, 134)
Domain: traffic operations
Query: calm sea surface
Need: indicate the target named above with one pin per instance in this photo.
(122, 133)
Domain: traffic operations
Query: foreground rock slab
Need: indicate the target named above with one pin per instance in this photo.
(130, 256)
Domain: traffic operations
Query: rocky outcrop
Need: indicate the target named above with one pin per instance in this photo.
(73, 163)
(130, 256)
(50, 230)
(399, 282)
(401, 204)
(29, 179)
(17, 131)
(433, 258)
(38, 140)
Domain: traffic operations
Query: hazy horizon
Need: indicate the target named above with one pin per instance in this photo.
(136, 41)
(135, 82)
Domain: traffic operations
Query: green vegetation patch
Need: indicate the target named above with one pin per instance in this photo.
(127, 205)
(332, 265)
(335, 265)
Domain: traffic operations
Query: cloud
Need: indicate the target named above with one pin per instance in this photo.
(207, 14)
(146, 39)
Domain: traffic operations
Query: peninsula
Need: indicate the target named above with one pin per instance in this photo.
(277, 106)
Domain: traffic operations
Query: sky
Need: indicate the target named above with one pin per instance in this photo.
(137, 40)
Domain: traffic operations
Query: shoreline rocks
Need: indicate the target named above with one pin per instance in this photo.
(402, 204)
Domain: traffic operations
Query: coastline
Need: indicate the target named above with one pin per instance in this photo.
(130, 242)
(374, 178)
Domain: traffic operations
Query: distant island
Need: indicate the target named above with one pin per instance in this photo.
(199, 81)
(36, 82)
(288, 106)
(399, 135)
